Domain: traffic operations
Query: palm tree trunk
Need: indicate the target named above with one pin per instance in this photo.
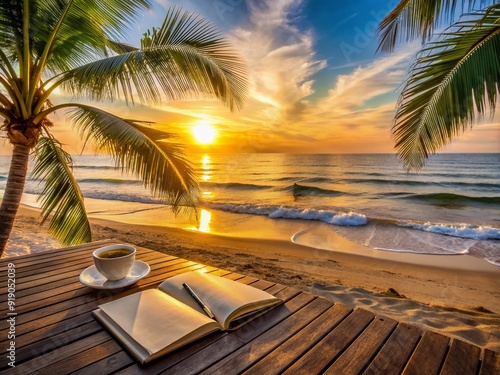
(13, 192)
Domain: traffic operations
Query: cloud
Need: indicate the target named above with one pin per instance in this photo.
(356, 115)
(280, 56)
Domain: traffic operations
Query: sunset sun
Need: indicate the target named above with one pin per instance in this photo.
(204, 133)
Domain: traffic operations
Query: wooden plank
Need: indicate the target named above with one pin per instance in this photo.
(263, 284)
(322, 354)
(291, 350)
(359, 354)
(55, 251)
(40, 256)
(60, 331)
(235, 276)
(193, 360)
(490, 365)
(38, 363)
(275, 289)
(106, 365)
(462, 358)
(54, 341)
(393, 357)
(63, 366)
(54, 263)
(428, 355)
(256, 349)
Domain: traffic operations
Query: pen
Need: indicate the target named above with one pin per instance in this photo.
(198, 300)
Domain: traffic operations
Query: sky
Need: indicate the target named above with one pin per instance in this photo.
(317, 84)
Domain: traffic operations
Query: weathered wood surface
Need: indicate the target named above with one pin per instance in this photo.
(56, 333)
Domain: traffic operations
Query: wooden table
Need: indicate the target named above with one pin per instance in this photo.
(55, 332)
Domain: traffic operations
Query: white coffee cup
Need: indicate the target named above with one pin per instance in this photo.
(114, 262)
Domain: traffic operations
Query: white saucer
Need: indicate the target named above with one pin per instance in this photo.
(92, 278)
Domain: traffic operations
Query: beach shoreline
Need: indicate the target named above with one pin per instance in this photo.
(457, 302)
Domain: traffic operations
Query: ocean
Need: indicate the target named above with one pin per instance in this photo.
(450, 207)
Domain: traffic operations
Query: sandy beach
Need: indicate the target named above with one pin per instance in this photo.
(456, 302)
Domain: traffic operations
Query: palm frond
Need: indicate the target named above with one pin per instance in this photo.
(141, 150)
(11, 21)
(82, 36)
(412, 19)
(61, 197)
(119, 48)
(186, 58)
(453, 81)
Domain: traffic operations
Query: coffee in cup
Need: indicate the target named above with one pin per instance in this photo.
(114, 262)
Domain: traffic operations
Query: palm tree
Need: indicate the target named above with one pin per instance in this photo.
(454, 79)
(72, 46)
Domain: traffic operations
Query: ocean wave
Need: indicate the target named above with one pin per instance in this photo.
(450, 184)
(124, 197)
(274, 212)
(329, 217)
(412, 251)
(494, 261)
(300, 190)
(462, 230)
(453, 198)
(381, 181)
(97, 167)
(241, 208)
(107, 195)
(116, 181)
(318, 179)
(356, 173)
(3, 178)
(284, 179)
(456, 176)
(206, 169)
(235, 186)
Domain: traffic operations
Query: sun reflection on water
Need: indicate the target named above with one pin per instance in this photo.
(204, 223)
(206, 166)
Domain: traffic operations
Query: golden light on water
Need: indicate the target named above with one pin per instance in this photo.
(206, 166)
(204, 133)
(205, 218)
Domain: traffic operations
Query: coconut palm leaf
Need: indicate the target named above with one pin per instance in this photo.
(186, 57)
(119, 48)
(413, 19)
(85, 26)
(141, 150)
(61, 197)
(453, 81)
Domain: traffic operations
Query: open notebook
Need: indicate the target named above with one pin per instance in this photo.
(154, 322)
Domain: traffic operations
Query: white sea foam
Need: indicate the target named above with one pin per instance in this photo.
(274, 212)
(349, 219)
(241, 208)
(494, 261)
(461, 230)
(450, 252)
